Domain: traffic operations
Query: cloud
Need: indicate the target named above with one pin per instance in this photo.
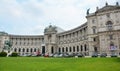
(32, 16)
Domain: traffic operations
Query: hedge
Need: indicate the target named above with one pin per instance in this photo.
(3, 54)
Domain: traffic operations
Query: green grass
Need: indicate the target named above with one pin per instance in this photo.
(59, 64)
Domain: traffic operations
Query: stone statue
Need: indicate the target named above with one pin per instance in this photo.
(8, 45)
(106, 4)
(117, 3)
(50, 29)
(88, 11)
(45, 30)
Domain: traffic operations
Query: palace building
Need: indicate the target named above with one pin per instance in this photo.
(100, 34)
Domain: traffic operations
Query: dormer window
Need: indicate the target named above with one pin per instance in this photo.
(109, 25)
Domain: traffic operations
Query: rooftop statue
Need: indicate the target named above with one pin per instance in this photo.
(50, 29)
(88, 11)
(117, 3)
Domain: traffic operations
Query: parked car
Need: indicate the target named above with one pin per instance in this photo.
(95, 55)
(103, 54)
(51, 55)
(70, 55)
(80, 55)
(113, 55)
(65, 55)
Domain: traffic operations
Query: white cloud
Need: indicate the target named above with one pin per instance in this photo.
(32, 16)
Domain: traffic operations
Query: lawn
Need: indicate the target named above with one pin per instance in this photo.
(59, 64)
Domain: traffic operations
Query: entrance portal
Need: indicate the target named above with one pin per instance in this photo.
(52, 50)
(43, 49)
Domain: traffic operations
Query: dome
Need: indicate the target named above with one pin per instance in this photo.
(54, 29)
(3, 33)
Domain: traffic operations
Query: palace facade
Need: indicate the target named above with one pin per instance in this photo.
(100, 34)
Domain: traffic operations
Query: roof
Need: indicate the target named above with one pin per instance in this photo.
(108, 8)
(51, 28)
(105, 9)
(3, 33)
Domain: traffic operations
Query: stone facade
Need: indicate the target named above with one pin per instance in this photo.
(100, 34)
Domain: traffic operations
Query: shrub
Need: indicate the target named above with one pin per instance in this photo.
(3, 54)
(14, 54)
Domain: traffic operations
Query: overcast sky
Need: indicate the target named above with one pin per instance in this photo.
(30, 17)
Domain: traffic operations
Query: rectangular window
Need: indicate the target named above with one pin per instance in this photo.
(111, 37)
(94, 39)
(16, 43)
(93, 21)
(108, 15)
(94, 31)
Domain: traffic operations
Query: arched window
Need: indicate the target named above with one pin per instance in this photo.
(27, 50)
(77, 48)
(73, 48)
(112, 47)
(111, 44)
(66, 49)
(63, 49)
(31, 50)
(94, 29)
(85, 47)
(109, 25)
(34, 49)
(19, 50)
(59, 50)
(15, 49)
(23, 50)
(111, 36)
(70, 49)
(81, 48)
(95, 49)
(43, 50)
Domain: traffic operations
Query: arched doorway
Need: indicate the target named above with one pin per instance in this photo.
(85, 47)
(52, 49)
(23, 50)
(34, 49)
(73, 48)
(81, 48)
(66, 49)
(31, 50)
(27, 50)
(95, 49)
(43, 49)
(15, 50)
(70, 49)
(19, 50)
(113, 48)
(63, 49)
(59, 49)
(77, 48)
